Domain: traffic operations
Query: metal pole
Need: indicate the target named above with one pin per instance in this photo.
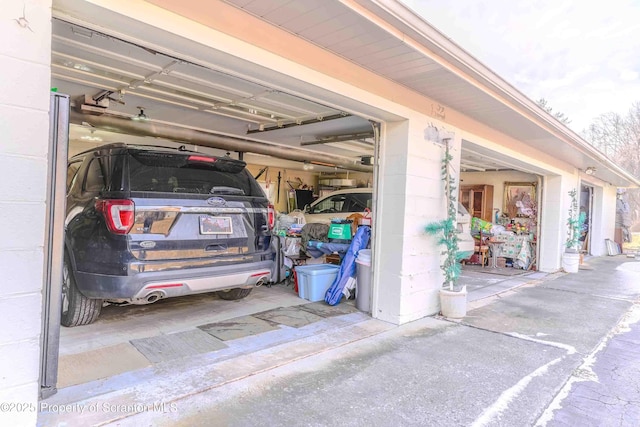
(208, 139)
(54, 244)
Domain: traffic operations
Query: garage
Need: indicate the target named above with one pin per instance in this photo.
(503, 196)
(296, 146)
(135, 83)
(308, 94)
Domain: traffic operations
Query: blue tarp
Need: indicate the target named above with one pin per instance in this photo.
(317, 249)
(348, 266)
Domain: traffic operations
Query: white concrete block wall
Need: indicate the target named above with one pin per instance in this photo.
(389, 218)
(421, 275)
(24, 106)
(554, 219)
(603, 218)
(551, 224)
(408, 277)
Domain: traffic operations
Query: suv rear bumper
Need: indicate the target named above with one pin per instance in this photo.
(143, 288)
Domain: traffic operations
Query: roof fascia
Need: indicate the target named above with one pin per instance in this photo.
(398, 19)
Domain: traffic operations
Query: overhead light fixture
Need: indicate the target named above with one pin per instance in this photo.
(590, 170)
(307, 166)
(141, 115)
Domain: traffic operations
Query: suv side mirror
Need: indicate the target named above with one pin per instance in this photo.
(305, 209)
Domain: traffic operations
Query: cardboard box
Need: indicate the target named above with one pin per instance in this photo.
(333, 259)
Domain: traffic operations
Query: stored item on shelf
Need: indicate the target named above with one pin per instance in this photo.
(336, 182)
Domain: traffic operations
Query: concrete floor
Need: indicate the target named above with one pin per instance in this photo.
(506, 363)
(112, 344)
(128, 338)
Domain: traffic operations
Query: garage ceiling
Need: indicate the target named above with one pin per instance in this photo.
(103, 74)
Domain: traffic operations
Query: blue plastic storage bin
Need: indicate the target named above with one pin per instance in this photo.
(315, 279)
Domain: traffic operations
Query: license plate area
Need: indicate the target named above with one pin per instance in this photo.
(215, 224)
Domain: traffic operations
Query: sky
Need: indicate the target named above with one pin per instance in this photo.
(583, 57)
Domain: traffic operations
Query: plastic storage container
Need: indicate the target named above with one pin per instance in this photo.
(363, 280)
(314, 280)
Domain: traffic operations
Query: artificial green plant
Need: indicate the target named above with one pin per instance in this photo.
(574, 222)
(447, 229)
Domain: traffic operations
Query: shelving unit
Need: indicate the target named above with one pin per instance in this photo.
(478, 200)
(332, 182)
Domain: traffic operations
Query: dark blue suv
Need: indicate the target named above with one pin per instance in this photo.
(145, 223)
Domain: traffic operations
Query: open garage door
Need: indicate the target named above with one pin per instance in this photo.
(119, 86)
(503, 196)
(128, 92)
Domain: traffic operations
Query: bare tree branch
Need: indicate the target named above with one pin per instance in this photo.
(557, 114)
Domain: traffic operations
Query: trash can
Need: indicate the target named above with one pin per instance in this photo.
(363, 280)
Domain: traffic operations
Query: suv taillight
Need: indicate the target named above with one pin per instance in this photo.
(202, 159)
(119, 214)
(272, 216)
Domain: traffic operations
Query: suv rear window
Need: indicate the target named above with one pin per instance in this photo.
(164, 172)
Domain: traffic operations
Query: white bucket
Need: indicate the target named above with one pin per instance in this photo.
(363, 280)
(364, 256)
(453, 304)
(571, 262)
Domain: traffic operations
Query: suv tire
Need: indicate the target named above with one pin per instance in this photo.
(76, 308)
(233, 294)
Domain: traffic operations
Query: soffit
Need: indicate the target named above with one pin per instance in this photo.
(338, 27)
(335, 27)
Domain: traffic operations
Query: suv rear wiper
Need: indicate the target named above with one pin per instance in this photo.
(226, 190)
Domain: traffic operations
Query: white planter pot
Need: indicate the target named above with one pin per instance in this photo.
(453, 304)
(570, 262)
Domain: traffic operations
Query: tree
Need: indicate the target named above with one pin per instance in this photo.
(608, 133)
(618, 137)
(557, 114)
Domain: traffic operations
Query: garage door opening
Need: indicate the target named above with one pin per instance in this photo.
(299, 150)
(586, 207)
(502, 197)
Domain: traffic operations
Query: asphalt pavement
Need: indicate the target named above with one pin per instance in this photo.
(556, 350)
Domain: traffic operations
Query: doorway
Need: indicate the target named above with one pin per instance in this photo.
(586, 208)
(332, 143)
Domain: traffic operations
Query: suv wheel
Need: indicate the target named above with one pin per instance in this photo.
(233, 294)
(76, 308)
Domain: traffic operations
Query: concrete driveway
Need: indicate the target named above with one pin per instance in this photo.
(504, 364)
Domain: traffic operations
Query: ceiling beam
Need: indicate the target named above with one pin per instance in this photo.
(299, 123)
(209, 139)
(340, 138)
